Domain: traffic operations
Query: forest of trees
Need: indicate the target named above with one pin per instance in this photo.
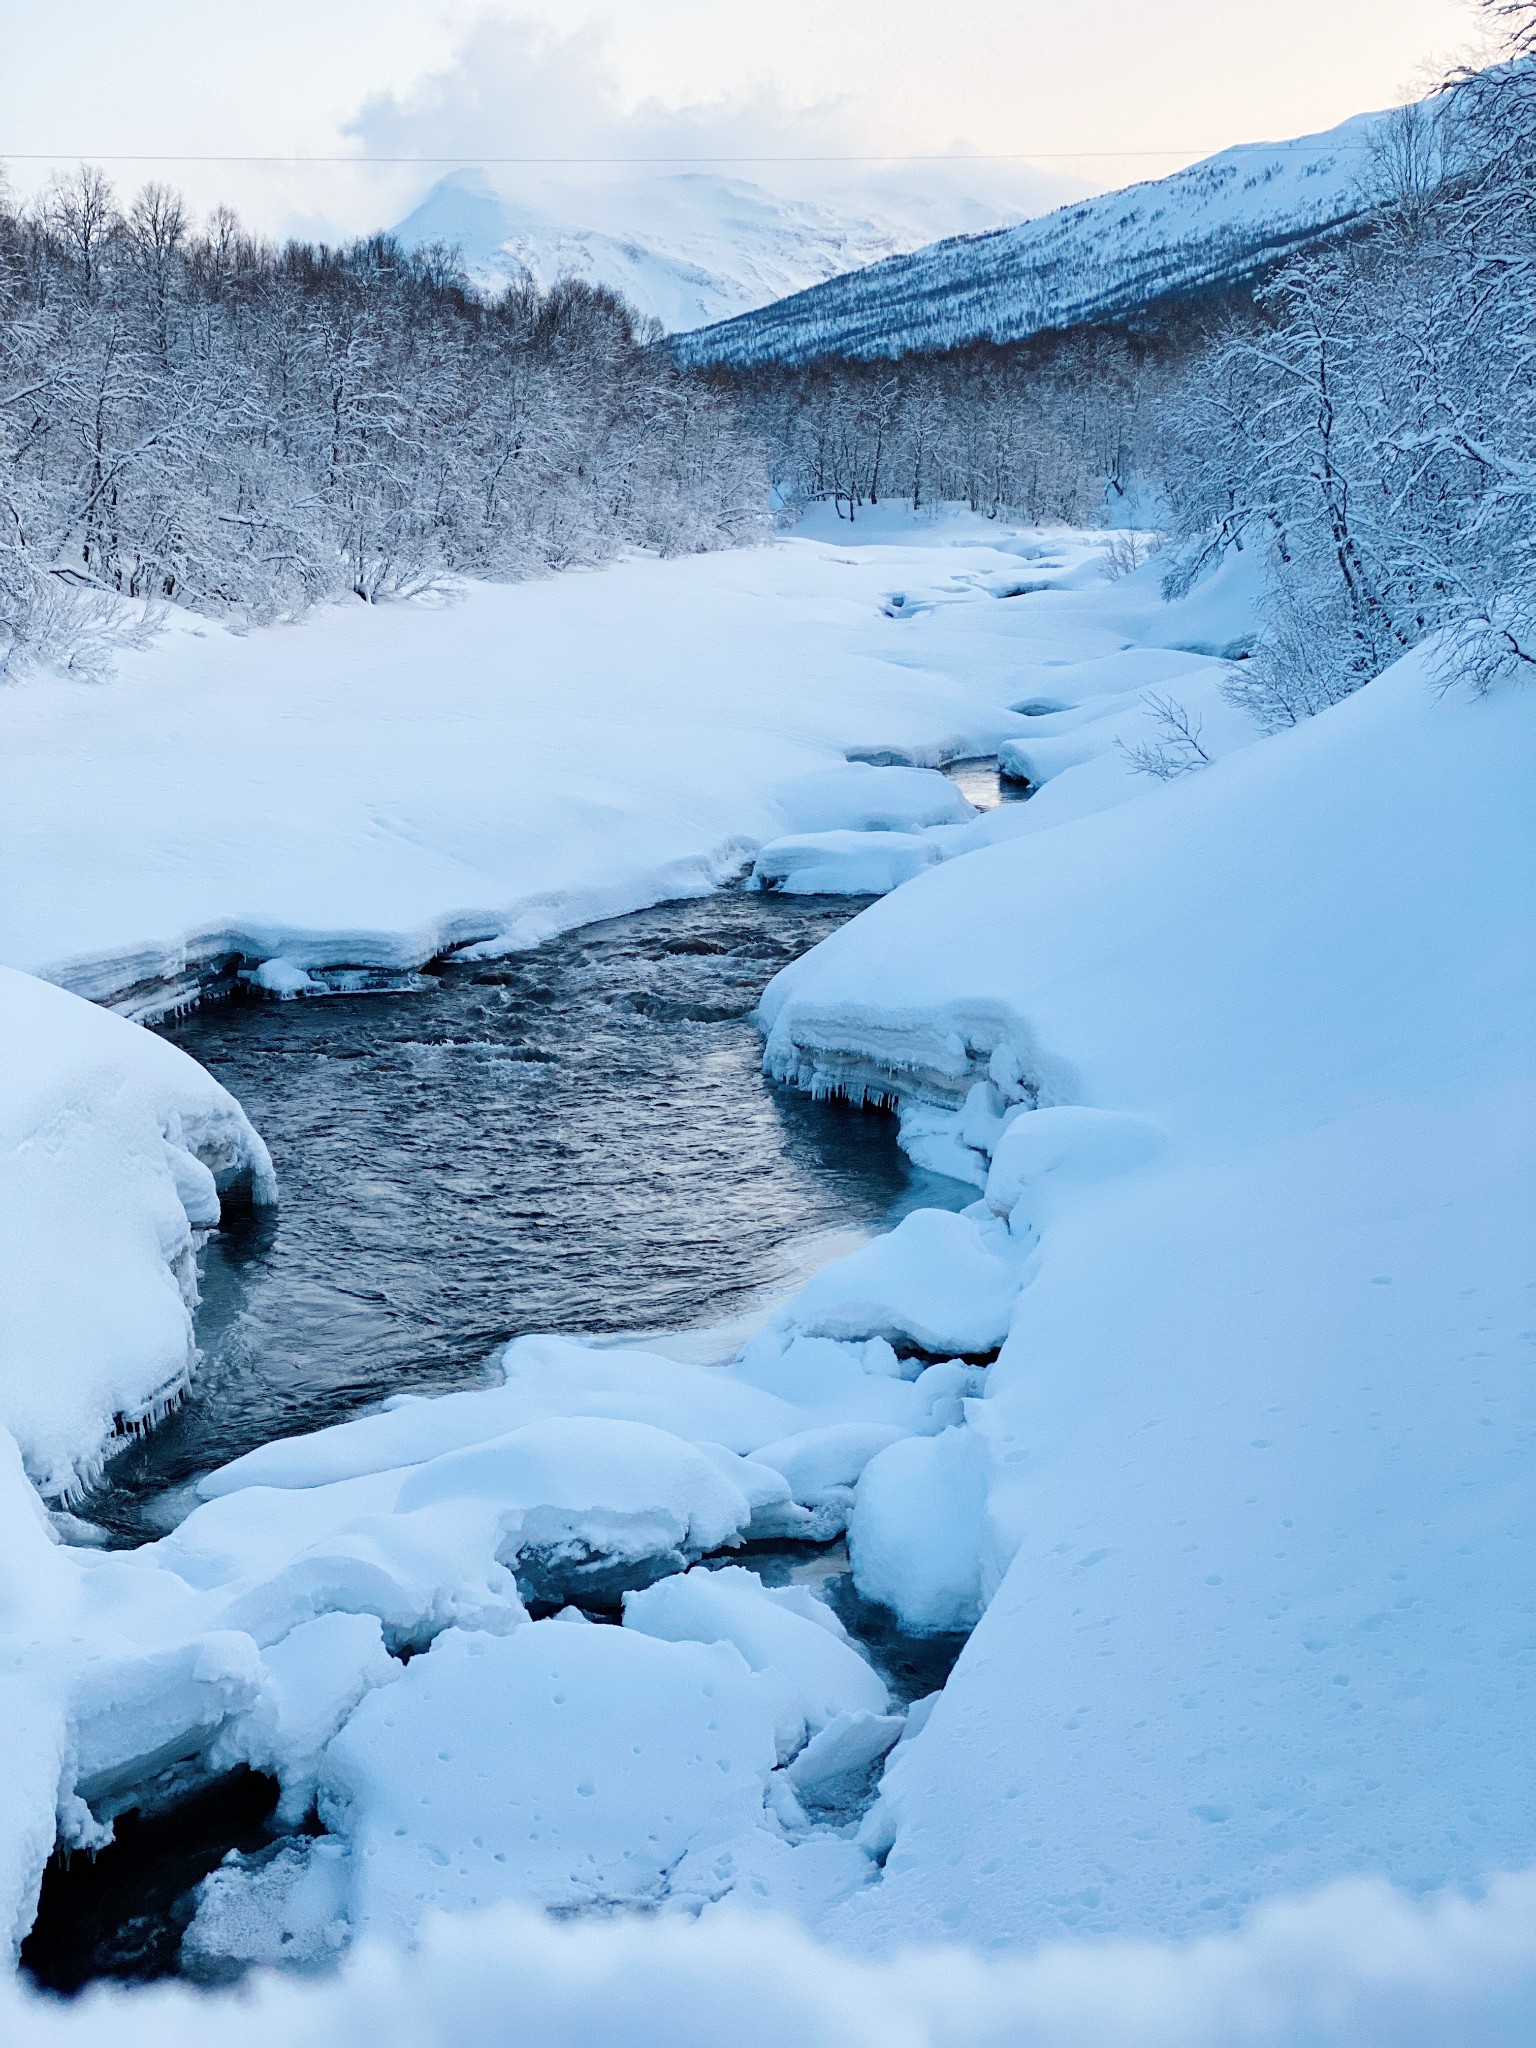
(201, 418)
(205, 419)
(1374, 426)
(1037, 430)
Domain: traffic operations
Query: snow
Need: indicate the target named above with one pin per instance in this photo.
(559, 1765)
(1215, 222)
(1356, 1966)
(817, 1676)
(864, 797)
(935, 1283)
(284, 979)
(377, 783)
(697, 246)
(915, 1536)
(114, 1148)
(836, 1764)
(1240, 1066)
(1255, 1502)
(842, 863)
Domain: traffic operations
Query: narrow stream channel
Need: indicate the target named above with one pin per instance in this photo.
(576, 1139)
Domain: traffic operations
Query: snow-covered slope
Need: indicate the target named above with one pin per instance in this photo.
(1214, 223)
(1257, 1447)
(698, 247)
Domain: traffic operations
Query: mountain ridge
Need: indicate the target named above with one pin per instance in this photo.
(697, 247)
(1215, 223)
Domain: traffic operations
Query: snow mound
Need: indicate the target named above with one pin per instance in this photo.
(560, 1766)
(116, 1150)
(842, 863)
(815, 1674)
(936, 1283)
(860, 797)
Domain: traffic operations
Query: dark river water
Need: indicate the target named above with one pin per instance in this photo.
(576, 1139)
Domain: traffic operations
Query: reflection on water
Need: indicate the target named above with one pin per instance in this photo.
(980, 783)
(577, 1138)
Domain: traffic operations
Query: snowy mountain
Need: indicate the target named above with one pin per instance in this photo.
(1214, 223)
(695, 247)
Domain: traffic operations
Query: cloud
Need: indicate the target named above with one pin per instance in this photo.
(517, 88)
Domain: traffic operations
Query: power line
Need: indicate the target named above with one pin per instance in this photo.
(40, 156)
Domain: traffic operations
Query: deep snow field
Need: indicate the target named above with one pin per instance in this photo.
(1211, 1415)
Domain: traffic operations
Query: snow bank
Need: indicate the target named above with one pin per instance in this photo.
(115, 1151)
(378, 783)
(586, 746)
(937, 1283)
(1256, 1449)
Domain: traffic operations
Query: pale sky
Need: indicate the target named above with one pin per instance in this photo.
(1103, 90)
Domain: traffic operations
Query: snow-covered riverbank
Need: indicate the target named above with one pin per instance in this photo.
(1242, 1063)
(376, 784)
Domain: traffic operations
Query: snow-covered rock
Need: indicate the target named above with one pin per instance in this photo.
(915, 1535)
(861, 797)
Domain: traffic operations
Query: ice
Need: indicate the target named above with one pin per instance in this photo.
(315, 1677)
(134, 1718)
(559, 1766)
(834, 1455)
(833, 1772)
(574, 1507)
(282, 1907)
(815, 1675)
(544, 1377)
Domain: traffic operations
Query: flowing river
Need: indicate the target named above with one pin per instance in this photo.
(577, 1139)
